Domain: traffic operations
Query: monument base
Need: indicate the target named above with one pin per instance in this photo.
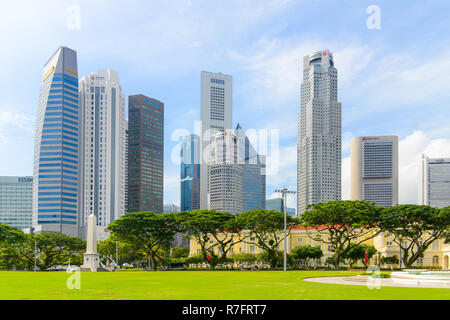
(91, 262)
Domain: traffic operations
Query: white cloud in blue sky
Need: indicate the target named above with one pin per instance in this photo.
(391, 81)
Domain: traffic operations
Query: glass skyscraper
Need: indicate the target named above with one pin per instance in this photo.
(56, 160)
(145, 154)
(253, 173)
(16, 201)
(190, 173)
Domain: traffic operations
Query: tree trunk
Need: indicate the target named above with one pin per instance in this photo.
(336, 261)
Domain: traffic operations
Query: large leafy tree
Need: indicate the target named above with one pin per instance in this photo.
(266, 227)
(112, 249)
(149, 231)
(341, 224)
(10, 235)
(56, 249)
(415, 227)
(358, 252)
(212, 229)
(244, 259)
(303, 254)
(52, 249)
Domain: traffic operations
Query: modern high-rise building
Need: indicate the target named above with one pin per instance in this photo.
(225, 191)
(102, 150)
(374, 170)
(145, 154)
(190, 173)
(16, 201)
(216, 116)
(319, 133)
(434, 188)
(56, 160)
(171, 208)
(276, 204)
(253, 173)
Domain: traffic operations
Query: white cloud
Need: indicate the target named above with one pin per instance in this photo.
(11, 121)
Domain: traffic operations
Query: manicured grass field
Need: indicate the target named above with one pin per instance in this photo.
(193, 285)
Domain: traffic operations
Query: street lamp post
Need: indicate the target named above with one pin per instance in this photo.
(284, 192)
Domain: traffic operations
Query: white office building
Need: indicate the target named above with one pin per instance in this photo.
(225, 174)
(434, 186)
(374, 170)
(102, 149)
(216, 116)
(319, 133)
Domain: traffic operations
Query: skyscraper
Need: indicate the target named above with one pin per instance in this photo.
(216, 116)
(102, 149)
(275, 204)
(16, 201)
(253, 173)
(374, 170)
(225, 174)
(319, 133)
(434, 188)
(145, 154)
(56, 160)
(190, 173)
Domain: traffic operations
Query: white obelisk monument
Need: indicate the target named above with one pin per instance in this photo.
(91, 257)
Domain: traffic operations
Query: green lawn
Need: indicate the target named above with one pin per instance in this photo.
(197, 285)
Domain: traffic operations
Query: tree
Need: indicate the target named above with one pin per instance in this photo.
(10, 235)
(343, 223)
(302, 254)
(268, 258)
(180, 252)
(147, 230)
(56, 249)
(389, 260)
(196, 259)
(112, 247)
(266, 226)
(212, 229)
(244, 258)
(415, 227)
(358, 252)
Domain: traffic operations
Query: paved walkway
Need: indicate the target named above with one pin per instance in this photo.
(389, 282)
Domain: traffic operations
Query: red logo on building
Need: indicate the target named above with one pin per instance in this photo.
(324, 53)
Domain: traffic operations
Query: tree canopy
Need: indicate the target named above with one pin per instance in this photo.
(415, 227)
(266, 228)
(343, 223)
(149, 231)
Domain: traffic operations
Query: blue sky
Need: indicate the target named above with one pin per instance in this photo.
(391, 81)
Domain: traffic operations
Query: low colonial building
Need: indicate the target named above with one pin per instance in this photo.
(437, 255)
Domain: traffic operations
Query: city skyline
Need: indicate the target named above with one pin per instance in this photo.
(388, 83)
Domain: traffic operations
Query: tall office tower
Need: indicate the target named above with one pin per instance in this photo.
(16, 201)
(319, 133)
(434, 189)
(56, 160)
(253, 173)
(102, 150)
(216, 116)
(374, 170)
(225, 174)
(276, 204)
(190, 173)
(145, 154)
